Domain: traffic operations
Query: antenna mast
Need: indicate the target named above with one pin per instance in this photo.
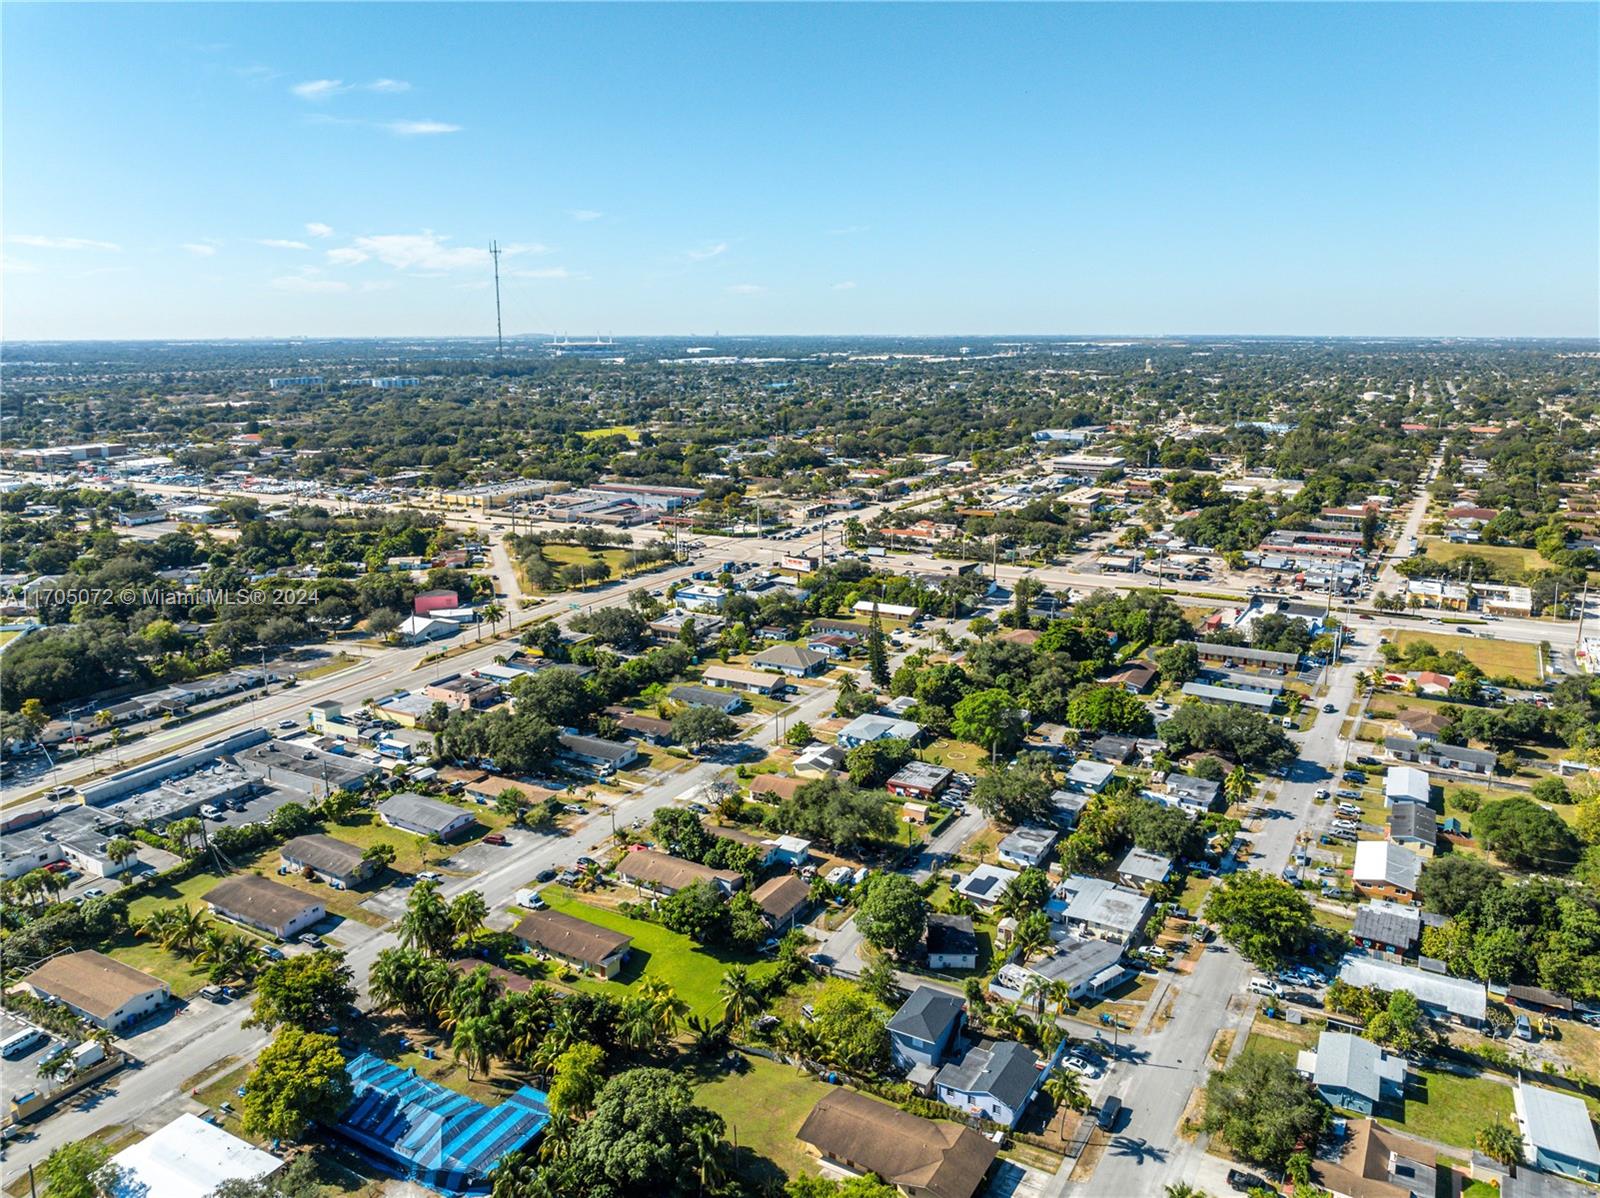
(499, 340)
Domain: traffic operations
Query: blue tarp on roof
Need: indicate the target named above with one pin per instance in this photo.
(434, 1135)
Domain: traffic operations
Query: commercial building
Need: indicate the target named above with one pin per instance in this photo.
(423, 816)
(261, 903)
(308, 770)
(919, 780)
(98, 988)
(584, 946)
(188, 1158)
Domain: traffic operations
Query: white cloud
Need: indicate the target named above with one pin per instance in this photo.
(308, 284)
(278, 243)
(709, 251)
(319, 89)
(324, 89)
(60, 243)
(317, 229)
(584, 214)
(11, 266)
(847, 285)
(420, 128)
(199, 249)
(747, 289)
(411, 251)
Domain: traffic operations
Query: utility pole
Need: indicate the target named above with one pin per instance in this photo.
(499, 340)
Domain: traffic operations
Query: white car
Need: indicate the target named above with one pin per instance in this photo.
(1079, 1066)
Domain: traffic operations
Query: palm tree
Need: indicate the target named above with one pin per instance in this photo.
(707, 1146)
(665, 1005)
(393, 980)
(1182, 1189)
(1237, 785)
(1501, 1141)
(739, 999)
(1035, 990)
(473, 1044)
(120, 848)
(229, 957)
(493, 613)
(1065, 1090)
(467, 913)
(426, 924)
(438, 983)
(177, 928)
(1031, 937)
(1060, 996)
(1007, 1020)
(183, 831)
(473, 996)
(557, 1136)
(800, 1041)
(56, 1066)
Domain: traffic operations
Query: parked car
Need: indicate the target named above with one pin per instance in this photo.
(544, 875)
(495, 838)
(429, 875)
(1329, 708)
(1243, 1182)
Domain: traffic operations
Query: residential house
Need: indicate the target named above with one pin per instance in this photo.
(925, 1032)
(830, 644)
(463, 692)
(1141, 869)
(1431, 682)
(868, 728)
(951, 943)
(1117, 750)
(1090, 777)
(1414, 826)
(597, 753)
(784, 901)
(749, 681)
(1407, 784)
(336, 862)
(986, 884)
(261, 903)
(776, 788)
(994, 1082)
(1087, 966)
(1136, 677)
(1384, 869)
(1557, 1133)
(1459, 758)
(793, 851)
(922, 1159)
(819, 761)
(582, 945)
(690, 695)
(424, 816)
(1423, 724)
(1066, 806)
(1388, 927)
(1375, 1162)
(919, 780)
(1353, 1073)
(1195, 795)
(1210, 693)
(1095, 907)
(97, 988)
(1028, 845)
(793, 660)
(649, 728)
(665, 874)
(1442, 996)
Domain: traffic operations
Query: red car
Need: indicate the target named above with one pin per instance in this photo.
(56, 867)
(494, 838)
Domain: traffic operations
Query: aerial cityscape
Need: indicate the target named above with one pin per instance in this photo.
(565, 634)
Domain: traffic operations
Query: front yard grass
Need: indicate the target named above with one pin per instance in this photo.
(693, 970)
(764, 1103)
(1449, 1108)
(956, 755)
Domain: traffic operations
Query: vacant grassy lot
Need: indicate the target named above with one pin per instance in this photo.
(1450, 1109)
(956, 755)
(1494, 658)
(1502, 557)
(182, 976)
(630, 431)
(764, 1105)
(694, 971)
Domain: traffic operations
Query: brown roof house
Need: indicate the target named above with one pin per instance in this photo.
(666, 874)
(783, 900)
(1378, 1163)
(922, 1159)
(268, 906)
(579, 943)
(92, 986)
(336, 862)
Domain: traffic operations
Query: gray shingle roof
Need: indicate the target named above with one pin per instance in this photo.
(927, 1014)
(1006, 1070)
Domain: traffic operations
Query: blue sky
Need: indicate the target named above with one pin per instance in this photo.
(250, 170)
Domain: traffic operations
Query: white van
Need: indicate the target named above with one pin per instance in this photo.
(1264, 986)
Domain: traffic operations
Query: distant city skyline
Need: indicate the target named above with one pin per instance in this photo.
(254, 171)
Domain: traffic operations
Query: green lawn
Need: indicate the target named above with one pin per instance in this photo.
(1503, 557)
(412, 852)
(630, 431)
(1450, 1109)
(765, 1106)
(694, 971)
(181, 976)
(1493, 657)
(956, 755)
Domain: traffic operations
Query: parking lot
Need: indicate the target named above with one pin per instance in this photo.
(20, 1075)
